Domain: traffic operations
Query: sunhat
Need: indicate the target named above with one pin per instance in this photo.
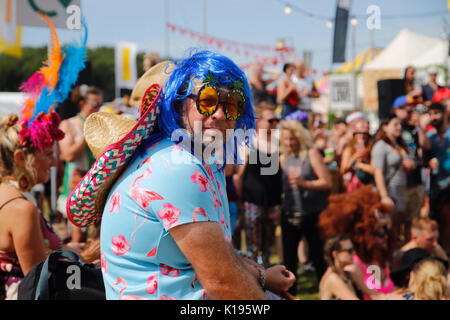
(409, 259)
(113, 139)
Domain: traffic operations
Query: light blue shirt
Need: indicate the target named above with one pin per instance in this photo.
(163, 186)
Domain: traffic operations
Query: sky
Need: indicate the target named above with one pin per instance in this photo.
(260, 22)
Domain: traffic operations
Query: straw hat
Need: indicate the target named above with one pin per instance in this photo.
(113, 140)
(159, 73)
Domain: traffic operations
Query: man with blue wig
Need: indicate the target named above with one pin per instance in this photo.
(165, 224)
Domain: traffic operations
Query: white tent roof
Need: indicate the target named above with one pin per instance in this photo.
(437, 55)
(402, 51)
(11, 102)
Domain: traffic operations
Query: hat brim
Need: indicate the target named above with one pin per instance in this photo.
(86, 202)
(399, 275)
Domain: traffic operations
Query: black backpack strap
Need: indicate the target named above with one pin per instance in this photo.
(48, 267)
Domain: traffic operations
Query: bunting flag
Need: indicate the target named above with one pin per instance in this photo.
(266, 54)
(10, 31)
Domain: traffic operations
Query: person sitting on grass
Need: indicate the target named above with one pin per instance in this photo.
(336, 283)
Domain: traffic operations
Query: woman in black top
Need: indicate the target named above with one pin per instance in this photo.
(259, 183)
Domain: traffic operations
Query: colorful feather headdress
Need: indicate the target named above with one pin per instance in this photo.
(50, 85)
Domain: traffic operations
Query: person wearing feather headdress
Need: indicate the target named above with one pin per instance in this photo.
(26, 155)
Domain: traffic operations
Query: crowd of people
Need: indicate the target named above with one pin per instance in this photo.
(354, 200)
(368, 212)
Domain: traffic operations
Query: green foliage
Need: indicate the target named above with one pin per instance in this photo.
(14, 71)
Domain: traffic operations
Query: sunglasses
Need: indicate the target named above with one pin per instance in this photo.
(209, 97)
(96, 105)
(349, 250)
(274, 120)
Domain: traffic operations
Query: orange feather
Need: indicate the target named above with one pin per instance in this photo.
(51, 66)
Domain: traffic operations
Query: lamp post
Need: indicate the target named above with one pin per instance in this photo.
(166, 35)
(354, 22)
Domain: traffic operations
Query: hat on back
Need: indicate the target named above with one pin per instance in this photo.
(113, 139)
(409, 259)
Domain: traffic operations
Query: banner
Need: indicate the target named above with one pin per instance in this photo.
(125, 65)
(341, 92)
(10, 31)
(340, 30)
(59, 11)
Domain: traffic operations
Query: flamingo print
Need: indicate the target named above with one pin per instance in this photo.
(209, 170)
(169, 214)
(164, 297)
(141, 195)
(201, 211)
(169, 271)
(217, 202)
(152, 253)
(152, 284)
(120, 245)
(121, 280)
(201, 179)
(103, 263)
(116, 199)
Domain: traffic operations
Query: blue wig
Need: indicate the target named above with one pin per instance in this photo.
(181, 84)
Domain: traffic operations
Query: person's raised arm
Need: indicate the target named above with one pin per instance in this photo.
(357, 275)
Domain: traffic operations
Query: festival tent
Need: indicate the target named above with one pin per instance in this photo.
(435, 56)
(360, 61)
(401, 52)
(11, 102)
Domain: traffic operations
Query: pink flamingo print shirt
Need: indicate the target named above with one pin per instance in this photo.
(163, 186)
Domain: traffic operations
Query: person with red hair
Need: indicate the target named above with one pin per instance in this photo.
(362, 217)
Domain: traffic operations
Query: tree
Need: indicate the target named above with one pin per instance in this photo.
(15, 71)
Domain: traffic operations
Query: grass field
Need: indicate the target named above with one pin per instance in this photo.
(307, 286)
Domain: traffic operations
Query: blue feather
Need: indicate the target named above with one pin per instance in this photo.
(74, 61)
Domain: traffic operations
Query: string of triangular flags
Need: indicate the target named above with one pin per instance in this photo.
(265, 54)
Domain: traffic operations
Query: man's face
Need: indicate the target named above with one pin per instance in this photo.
(428, 239)
(405, 112)
(432, 77)
(93, 103)
(436, 118)
(267, 121)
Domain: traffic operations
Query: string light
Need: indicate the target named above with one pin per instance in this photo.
(289, 7)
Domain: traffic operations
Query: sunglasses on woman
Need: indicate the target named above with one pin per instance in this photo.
(210, 97)
(348, 249)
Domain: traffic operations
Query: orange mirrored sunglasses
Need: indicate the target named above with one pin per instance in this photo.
(210, 97)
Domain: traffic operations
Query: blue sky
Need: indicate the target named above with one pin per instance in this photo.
(251, 21)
